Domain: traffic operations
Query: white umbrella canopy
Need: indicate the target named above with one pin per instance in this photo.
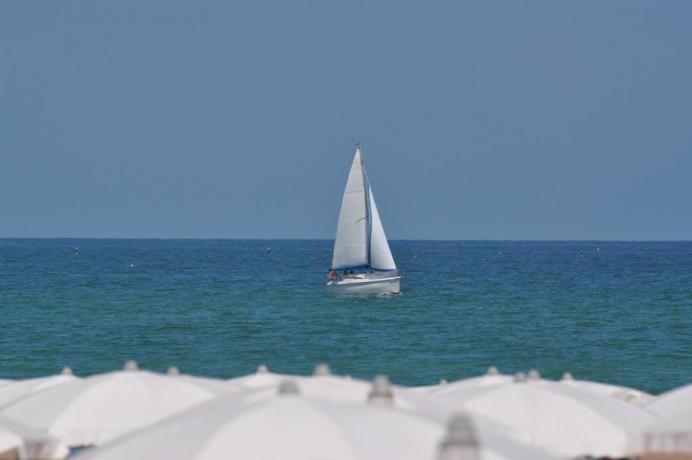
(34, 445)
(11, 444)
(290, 426)
(673, 433)
(631, 395)
(262, 378)
(490, 379)
(322, 376)
(472, 437)
(324, 385)
(665, 435)
(215, 385)
(673, 403)
(17, 389)
(294, 426)
(333, 388)
(99, 408)
(555, 417)
(355, 391)
(425, 389)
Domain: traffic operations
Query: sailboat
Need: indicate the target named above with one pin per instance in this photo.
(362, 261)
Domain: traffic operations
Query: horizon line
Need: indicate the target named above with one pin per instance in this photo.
(509, 240)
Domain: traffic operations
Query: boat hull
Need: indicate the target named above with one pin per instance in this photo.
(388, 285)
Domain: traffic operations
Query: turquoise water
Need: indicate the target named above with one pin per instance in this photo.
(619, 312)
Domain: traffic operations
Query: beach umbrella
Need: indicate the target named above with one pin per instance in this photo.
(262, 378)
(378, 392)
(18, 389)
(99, 408)
(322, 384)
(212, 384)
(554, 417)
(11, 445)
(290, 426)
(29, 444)
(673, 432)
(673, 403)
(672, 435)
(425, 389)
(471, 437)
(631, 395)
(491, 378)
(668, 435)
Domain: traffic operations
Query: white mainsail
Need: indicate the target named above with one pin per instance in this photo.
(380, 254)
(360, 238)
(350, 246)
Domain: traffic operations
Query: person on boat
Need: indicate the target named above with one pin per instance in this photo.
(333, 274)
(345, 275)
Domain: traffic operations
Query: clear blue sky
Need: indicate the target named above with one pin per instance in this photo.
(511, 120)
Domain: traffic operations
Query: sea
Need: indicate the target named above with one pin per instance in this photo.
(616, 312)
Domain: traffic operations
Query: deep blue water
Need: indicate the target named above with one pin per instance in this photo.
(619, 312)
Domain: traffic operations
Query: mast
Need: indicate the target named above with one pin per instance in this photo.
(368, 214)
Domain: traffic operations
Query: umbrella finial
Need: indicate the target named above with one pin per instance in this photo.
(173, 370)
(520, 377)
(262, 369)
(288, 387)
(534, 375)
(381, 391)
(461, 442)
(567, 377)
(321, 370)
(492, 370)
(130, 365)
(66, 371)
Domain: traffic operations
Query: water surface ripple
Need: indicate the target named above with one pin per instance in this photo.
(618, 312)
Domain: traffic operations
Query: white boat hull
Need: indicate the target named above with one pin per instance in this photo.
(386, 285)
